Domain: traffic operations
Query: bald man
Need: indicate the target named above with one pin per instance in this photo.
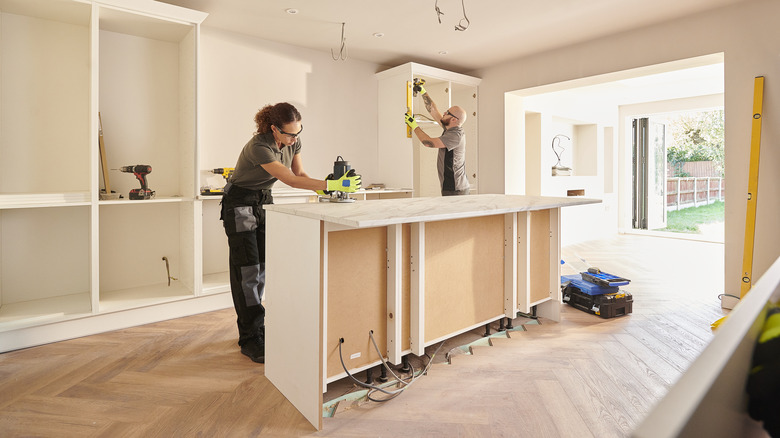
(451, 145)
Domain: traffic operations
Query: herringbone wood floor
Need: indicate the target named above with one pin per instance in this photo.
(585, 376)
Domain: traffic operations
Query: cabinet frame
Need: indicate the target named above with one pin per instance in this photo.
(404, 160)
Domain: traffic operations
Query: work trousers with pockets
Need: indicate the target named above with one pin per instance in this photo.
(244, 220)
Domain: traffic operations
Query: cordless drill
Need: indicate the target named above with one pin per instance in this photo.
(226, 172)
(140, 171)
(418, 83)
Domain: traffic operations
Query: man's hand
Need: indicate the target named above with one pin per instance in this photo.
(409, 119)
(350, 182)
(418, 86)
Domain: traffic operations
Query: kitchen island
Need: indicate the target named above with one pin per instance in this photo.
(408, 272)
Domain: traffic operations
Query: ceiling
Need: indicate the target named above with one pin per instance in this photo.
(497, 31)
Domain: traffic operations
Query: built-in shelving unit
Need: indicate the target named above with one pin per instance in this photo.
(582, 146)
(586, 140)
(71, 263)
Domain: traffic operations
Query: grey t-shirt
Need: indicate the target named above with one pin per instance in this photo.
(451, 162)
(261, 149)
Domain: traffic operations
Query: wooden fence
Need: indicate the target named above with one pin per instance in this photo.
(692, 192)
(692, 169)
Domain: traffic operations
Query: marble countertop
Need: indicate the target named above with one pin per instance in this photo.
(376, 213)
(289, 191)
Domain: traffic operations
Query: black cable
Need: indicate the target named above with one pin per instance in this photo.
(527, 315)
(365, 385)
(439, 13)
(460, 25)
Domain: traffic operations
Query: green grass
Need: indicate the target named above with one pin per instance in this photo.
(688, 220)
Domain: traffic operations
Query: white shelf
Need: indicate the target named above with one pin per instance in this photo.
(33, 200)
(44, 311)
(117, 300)
(155, 200)
(216, 283)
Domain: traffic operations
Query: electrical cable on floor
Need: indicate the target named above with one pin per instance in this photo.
(720, 297)
(366, 385)
(384, 363)
(527, 315)
(374, 388)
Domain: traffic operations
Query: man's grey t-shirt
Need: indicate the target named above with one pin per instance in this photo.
(451, 162)
(261, 149)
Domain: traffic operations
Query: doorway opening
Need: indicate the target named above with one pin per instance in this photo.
(678, 173)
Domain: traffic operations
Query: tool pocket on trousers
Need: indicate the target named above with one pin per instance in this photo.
(243, 249)
(244, 219)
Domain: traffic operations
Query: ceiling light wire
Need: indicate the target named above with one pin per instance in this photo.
(343, 49)
(439, 13)
(460, 25)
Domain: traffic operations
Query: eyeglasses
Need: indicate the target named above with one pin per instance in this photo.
(291, 135)
(451, 115)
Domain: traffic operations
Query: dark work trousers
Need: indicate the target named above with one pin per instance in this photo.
(244, 220)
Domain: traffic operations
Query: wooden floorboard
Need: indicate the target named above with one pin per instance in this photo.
(584, 376)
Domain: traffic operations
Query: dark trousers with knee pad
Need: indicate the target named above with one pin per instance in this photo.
(244, 220)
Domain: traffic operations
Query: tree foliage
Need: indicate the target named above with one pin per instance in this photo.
(696, 137)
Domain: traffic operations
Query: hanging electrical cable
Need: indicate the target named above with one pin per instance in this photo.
(342, 49)
(439, 13)
(464, 22)
(460, 25)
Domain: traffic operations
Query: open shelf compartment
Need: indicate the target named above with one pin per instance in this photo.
(134, 240)
(45, 89)
(44, 265)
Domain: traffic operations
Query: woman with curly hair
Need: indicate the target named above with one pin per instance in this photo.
(273, 153)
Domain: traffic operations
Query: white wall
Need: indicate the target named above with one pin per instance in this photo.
(337, 100)
(747, 34)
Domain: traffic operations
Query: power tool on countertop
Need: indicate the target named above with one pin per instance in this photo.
(210, 190)
(140, 171)
(341, 169)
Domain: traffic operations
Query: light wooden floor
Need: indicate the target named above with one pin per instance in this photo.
(585, 376)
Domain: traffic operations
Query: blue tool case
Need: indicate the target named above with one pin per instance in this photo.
(602, 278)
(587, 287)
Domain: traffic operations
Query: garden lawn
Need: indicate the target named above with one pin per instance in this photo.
(688, 220)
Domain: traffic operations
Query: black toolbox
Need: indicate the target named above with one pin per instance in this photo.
(608, 305)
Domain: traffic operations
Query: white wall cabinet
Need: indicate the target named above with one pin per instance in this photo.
(72, 264)
(404, 162)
